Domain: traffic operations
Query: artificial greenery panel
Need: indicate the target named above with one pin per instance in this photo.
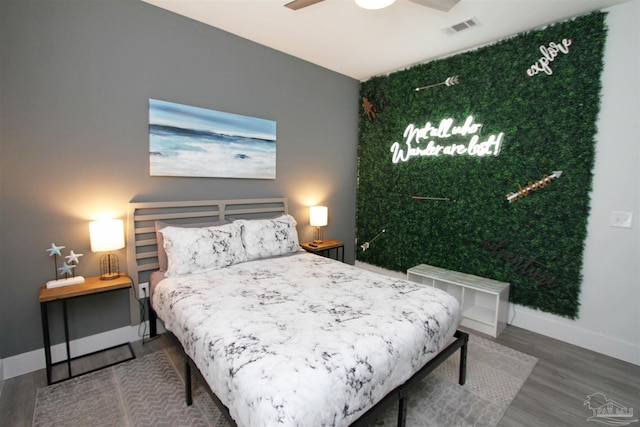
(475, 184)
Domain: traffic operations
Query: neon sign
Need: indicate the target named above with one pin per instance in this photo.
(421, 142)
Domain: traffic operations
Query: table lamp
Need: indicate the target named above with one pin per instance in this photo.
(318, 218)
(107, 236)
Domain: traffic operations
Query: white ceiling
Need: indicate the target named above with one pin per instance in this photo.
(340, 36)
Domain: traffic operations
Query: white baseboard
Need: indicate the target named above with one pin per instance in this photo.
(34, 360)
(544, 324)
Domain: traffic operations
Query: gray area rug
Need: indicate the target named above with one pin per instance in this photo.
(150, 392)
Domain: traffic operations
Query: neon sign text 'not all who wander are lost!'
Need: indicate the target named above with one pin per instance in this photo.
(415, 139)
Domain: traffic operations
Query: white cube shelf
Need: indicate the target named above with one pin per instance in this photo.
(484, 302)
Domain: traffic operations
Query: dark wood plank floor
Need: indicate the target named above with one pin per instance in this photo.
(553, 395)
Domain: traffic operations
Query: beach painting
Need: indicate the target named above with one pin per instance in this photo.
(198, 142)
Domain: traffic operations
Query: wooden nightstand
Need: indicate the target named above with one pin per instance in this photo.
(325, 248)
(92, 285)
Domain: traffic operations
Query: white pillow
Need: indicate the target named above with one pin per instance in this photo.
(198, 250)
(265, 238)
(162, 255)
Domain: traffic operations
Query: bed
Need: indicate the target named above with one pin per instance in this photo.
(278, 335)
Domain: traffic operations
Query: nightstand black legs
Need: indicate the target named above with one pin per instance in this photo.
(62, 294)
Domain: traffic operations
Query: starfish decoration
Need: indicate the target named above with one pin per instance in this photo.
(66, 269)
(55, 250)
(73, 257)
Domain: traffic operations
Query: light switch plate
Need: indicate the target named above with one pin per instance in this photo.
(621, 219)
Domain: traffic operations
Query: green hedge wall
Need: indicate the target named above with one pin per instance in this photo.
(542, 107)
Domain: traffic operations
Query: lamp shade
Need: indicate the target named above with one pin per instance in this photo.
(318, 216)
(107, 235)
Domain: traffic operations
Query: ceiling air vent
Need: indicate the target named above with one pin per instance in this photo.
(462, 26)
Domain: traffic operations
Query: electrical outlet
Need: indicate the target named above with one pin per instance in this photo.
(143, 290)
(621, 219)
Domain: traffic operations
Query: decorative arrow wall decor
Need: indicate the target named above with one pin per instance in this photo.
(532, 186)
(366, 245)
(440, 199)
(453, 80)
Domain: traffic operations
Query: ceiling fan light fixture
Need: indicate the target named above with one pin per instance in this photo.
(374, 4)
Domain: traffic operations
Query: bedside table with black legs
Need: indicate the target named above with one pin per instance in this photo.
(325, 248)
(92, 285)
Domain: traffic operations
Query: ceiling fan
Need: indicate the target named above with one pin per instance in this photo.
(443, 5)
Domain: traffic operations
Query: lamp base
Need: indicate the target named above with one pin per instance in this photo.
(109, 276)
(109, 267)
(317, 236)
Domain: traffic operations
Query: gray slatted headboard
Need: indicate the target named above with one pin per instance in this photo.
(142, 247)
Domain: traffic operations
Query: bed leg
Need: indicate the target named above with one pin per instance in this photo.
(187, 382)
(153, 320)
(402, 411)
(463, 360)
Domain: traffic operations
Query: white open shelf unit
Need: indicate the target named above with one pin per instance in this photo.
(484, 302)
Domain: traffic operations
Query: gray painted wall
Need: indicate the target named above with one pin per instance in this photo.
(75, 81)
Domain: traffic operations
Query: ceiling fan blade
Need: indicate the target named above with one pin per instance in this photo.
(443, 5)
(299, 4)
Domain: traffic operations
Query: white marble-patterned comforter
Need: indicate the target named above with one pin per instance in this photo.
(304, 340)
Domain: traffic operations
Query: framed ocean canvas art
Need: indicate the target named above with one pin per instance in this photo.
(198, 142)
